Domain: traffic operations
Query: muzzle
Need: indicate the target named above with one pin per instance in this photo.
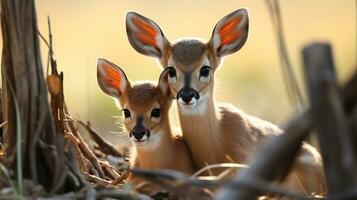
(187, 94)
(139, 131)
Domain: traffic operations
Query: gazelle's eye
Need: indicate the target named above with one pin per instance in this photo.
(172, 75)
(126, 113)
(156, 113)
(204, 73)
(172, 72)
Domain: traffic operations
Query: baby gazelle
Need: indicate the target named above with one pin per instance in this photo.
(212, 130)
(146, 118)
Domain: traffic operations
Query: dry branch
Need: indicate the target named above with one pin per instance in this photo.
(330, 119)
(104, 145)
(178, 182)
(266, 166)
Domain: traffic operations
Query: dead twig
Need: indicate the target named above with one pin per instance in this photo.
(290, 80)
(110, 170)
(122, 195)
(283, 147)
(173, 180)
(96, 179)
(121, 178)
(219, 165)
(104, 145)
(3, 124)
(88, 153)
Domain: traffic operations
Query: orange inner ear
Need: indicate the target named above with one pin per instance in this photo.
(147, 33)
(145, 27)
(146, 40)
(113, 78)
(228, 32)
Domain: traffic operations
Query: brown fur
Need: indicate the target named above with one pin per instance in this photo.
(172, 152)
(238, 134)
(158, 147)
(214, 132)
(188, 51)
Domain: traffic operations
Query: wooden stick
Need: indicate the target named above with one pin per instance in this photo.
(120, 179)
(84, 147)
(175, 182)
(268, 163)
(104, 145)
(109, 169)
(330, 119)
(97, 179)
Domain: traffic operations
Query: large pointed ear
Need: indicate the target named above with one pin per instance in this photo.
(164, 84)
(145, 36)
(111, 78)
(230, 33)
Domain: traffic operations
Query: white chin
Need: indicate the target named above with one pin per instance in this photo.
(142, 141)
(151, 143)
(189, 105)
(194, 107)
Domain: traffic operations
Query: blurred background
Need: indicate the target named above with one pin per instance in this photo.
(251, 79)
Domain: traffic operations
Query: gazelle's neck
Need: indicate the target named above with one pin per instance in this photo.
(200, 129)
(154, 151)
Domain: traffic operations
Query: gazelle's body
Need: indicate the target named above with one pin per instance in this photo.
(212, 131)
(231, 133)
(146, 118)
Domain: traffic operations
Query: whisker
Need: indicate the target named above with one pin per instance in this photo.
(116, 116)
(119, 133)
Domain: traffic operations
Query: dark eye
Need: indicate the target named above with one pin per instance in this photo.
(155, 112)
(172, 72)
(204, 72)
(126, 113)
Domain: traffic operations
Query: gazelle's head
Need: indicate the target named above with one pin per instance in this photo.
(191, 63)
(145, 106)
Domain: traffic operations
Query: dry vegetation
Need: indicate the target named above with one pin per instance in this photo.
(43, 154)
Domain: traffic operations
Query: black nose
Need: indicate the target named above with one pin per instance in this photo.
(138, 132)
(186, 95)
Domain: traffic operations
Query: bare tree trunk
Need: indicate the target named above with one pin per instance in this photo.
(42, 148)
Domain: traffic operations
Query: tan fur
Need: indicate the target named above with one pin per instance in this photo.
(155, 144)
(212, 131)
(172, 153)
(223, 130)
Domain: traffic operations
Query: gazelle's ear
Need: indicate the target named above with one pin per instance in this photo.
(145, 36)
(230, 33)
(111, 78)
(164, 84)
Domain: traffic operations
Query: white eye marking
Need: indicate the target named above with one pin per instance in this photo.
(155, 119)
(127, 120)
(205, 79)
(172, 80)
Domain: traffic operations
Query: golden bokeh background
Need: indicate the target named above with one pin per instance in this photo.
(251, 79)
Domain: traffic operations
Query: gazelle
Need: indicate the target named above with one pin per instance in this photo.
(146, 117)
(213, 131)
